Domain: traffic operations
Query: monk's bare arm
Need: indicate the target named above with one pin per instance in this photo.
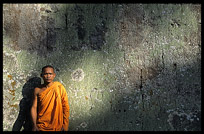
(34, 109)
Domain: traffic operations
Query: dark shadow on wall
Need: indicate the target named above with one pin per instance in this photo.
(24, 118)
(121, 118)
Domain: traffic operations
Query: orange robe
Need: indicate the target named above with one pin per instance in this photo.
(53, 109)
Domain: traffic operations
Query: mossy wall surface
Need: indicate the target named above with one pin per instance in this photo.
(125, 66)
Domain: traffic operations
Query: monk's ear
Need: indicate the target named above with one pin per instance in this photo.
(41, 75)
(54, 74)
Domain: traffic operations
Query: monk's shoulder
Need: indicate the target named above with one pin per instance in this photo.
(58, 83)
(37, 90)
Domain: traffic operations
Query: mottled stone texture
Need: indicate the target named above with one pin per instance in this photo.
(124, 66)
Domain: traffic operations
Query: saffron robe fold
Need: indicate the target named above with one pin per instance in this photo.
(53, 108)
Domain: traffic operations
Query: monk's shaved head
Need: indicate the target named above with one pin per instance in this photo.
(48, 66)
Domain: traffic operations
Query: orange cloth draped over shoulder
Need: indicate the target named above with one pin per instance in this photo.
(53, 108)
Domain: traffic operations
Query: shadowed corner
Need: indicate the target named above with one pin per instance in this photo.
(24, 118)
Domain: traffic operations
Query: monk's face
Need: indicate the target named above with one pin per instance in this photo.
(48, 75)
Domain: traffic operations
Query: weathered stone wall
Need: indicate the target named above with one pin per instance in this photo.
(124, 66)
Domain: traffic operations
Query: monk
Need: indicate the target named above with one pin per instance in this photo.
(50, 108)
